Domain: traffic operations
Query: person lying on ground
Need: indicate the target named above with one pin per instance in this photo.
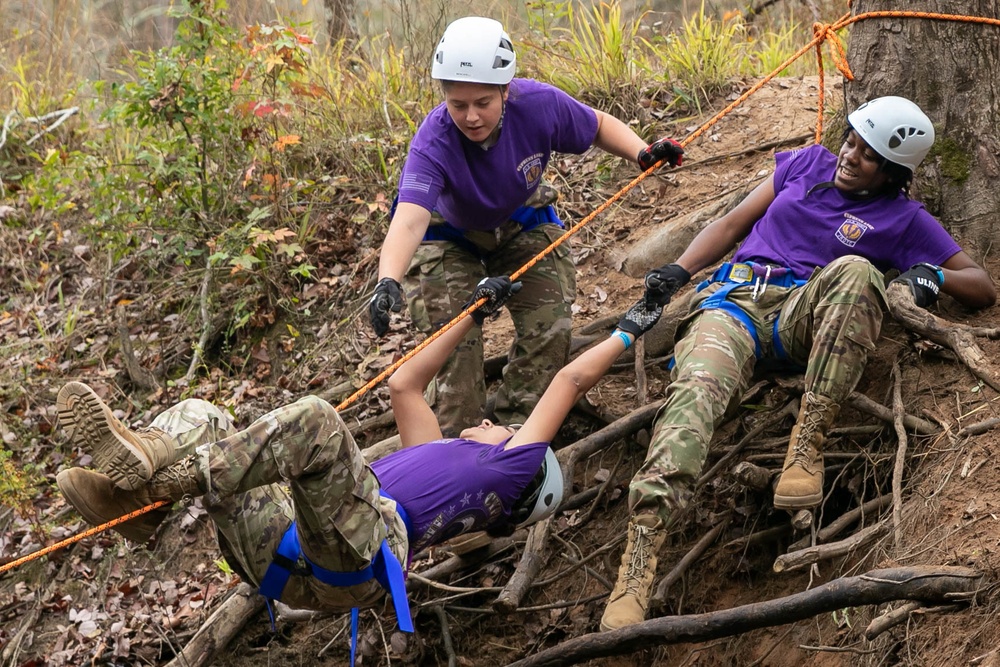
(805, 287)
(298, 511)
(472, 203)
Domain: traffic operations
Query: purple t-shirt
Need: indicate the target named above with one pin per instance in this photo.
(476, 189)
(453, 486)
(804, 231)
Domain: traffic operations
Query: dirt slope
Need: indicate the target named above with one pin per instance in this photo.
(104, 602)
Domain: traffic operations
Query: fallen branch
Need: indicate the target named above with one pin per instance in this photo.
(902, 614)
(220, 628)
(527, 569)
(660, 596)
(810, 555)
(844, 520)
(959, 339)
(930, 584)
(897, 468)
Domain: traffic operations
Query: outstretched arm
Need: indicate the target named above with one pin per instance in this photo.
(415, 420)
(580, 375)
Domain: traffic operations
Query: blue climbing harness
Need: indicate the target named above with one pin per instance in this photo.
(384, 568)
(740, 274)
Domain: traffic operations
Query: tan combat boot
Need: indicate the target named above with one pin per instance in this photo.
(98, 500)
(801, 483)
(129, 458)
(630, 598)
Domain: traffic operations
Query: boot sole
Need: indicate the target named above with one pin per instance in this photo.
(797, 502)
(90, 426)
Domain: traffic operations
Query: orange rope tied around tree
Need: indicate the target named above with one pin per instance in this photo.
(821, 33)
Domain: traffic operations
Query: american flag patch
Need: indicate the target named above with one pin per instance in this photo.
(412, 182)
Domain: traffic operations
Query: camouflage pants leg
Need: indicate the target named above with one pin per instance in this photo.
(331, 493)
(714, 363)
(193, 422)
(542, 315)
(439, 281)
(830, 324)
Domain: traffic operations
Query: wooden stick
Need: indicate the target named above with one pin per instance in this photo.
(660, 596)
(931, 584)
(844, 520)
(806, 557)
(960, 340)
(220, 628)
(527, 569)
(897, 469)
(901, 615)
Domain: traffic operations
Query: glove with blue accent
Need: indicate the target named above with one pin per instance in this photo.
(924, 280)
(388, 296)
(661, 149)
(496, 290)
(640, 318)
(663, 283)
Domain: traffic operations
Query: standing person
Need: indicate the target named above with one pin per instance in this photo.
(298, 511)
(806, 286)
(472, 203)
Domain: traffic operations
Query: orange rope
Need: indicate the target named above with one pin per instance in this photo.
(821, 33)
(79, 536)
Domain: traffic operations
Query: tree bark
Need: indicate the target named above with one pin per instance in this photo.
(945, 67)
(929, 584)
(340, 20)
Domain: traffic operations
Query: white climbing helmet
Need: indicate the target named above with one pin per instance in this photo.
(895, 128)
(476, 50)
(546, 497)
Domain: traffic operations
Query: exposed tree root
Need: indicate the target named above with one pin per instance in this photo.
(927, 584)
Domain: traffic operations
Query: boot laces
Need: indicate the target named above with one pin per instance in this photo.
(180, 475)
(804, 449)
(638, 564)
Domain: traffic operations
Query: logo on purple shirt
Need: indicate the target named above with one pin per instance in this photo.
(531, 169)
(851, 230)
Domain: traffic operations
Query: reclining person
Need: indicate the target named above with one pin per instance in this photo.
(298, 511)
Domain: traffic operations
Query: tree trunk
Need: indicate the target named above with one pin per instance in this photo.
(340, 20)
(948, 68)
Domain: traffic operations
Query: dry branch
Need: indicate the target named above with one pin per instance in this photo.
(220, 628)
(844, 520)
(660, 596)
(897, 469)
(930, 584)
(527, 569)
(810, 555)
(958, 338)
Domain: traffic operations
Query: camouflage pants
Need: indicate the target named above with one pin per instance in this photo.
(828, 325)
(440, 280)
(297, 462)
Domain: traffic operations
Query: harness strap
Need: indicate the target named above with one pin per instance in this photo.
(738, 274)
(384, 568)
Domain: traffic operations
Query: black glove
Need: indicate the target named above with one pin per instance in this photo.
(388, 296)
(663, 283)
(925, 282)
(661, 149)
(640, 318)
(496, 291)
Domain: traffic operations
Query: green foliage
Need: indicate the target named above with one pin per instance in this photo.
(598, 57)
(17, 485)
(706, 55)
(200, 152)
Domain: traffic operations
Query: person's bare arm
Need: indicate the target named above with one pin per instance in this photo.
(719, 237)
(406, 230)
(616, 137)
(569, 384)
(968, 282)
(415, 420)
